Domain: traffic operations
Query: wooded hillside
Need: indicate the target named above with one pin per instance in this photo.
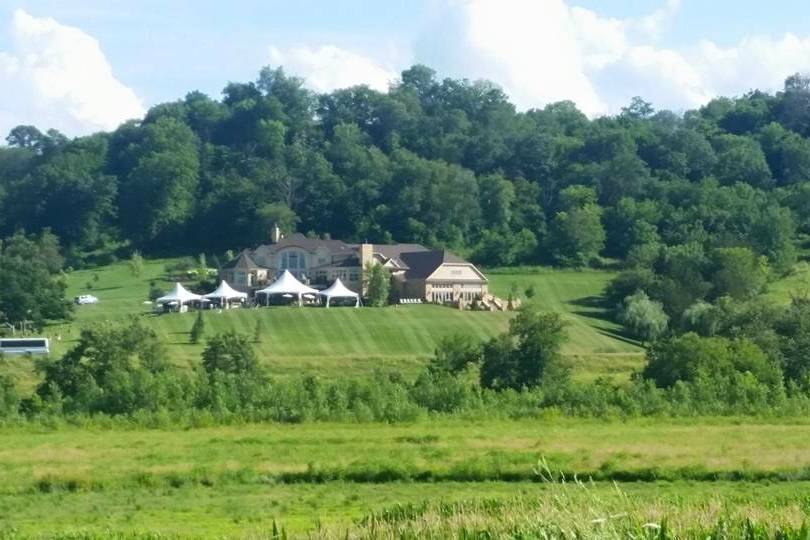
(441, 162)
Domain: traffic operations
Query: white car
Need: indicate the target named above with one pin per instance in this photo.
(83, 299)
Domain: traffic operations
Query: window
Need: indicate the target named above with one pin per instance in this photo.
(293, 260)
(354, 276)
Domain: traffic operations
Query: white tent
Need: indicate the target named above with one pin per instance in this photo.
(225, 293)
(179, 296)
(339, 290)
(287, 284)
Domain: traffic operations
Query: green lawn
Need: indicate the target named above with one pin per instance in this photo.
(347, 340)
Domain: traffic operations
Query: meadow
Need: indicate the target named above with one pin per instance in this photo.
(330, 479)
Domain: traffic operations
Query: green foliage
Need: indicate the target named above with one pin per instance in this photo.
(691, 358)
(528, 354)
(454, 353)
(644, 317)
(230, 353)
(136, 263)
(378, 284)
(738, 272)
(258, 331)
(577, 235)
(198, 328)
(113, 369)
(447, 163)
(32, 288)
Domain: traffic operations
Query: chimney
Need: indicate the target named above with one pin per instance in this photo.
(276, 235)
(366, 254)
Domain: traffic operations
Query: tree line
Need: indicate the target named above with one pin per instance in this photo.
(444, 162)
(122, 371)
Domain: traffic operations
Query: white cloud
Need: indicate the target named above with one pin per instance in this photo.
(654, 24)
(760, 62)
(326, 68)
(57, 76)
(542, 51)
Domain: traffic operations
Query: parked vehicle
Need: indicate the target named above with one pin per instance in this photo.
(24, 345)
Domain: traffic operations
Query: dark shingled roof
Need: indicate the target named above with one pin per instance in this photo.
(395, 251)
(421, 264)
(242, 262)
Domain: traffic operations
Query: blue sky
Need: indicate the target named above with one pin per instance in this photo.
(87, 65)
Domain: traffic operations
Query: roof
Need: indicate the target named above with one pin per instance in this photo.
(422, 264)
(308, 244)
(287, 284)
(347, 261)
(178, 294)
(225, 291)
(394, 252)
(242, 262)
(338, 290)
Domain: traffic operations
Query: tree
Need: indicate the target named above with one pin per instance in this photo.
(258, 330)
(793, 328)
(526, 355)
(157, 195)
(738, 272)
(740, 159)
(136, 263)
(32, 288)
(198, 328)
(26, 137)
(645, 318)
(105, 369)
(378, 284)
(690, 357)
(577, 235)
(454, 353)
(231, 353)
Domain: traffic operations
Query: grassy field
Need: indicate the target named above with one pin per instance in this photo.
(238, 480)
(349, 340)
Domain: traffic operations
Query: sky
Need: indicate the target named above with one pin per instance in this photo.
(88, 65)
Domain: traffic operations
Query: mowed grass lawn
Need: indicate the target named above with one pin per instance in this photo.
(347, 340)
(229, 480)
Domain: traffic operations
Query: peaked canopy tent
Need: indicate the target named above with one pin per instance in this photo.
(225, 294)
(339, 290)
(287, 284)
(179, 296)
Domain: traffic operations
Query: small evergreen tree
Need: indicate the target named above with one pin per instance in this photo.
(378, 286)
(198, 328)
(136, 264)
(257, 331)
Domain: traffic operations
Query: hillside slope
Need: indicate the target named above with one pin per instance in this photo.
(346, 340)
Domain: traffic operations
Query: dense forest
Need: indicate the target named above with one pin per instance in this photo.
(442, 162)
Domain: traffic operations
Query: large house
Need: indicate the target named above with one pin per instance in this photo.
(416, 272)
